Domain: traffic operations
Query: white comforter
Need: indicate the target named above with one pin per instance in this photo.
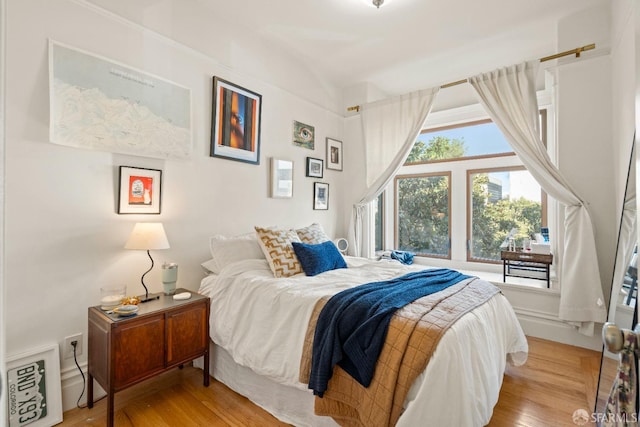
(261, 321)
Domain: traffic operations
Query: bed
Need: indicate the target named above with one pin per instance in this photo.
(259, 322)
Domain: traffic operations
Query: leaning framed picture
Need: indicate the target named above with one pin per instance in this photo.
(140, 190)
(281, 178)
(320, 196)
(334, 154)
(235, 122)
(33, 388)
(314, 167)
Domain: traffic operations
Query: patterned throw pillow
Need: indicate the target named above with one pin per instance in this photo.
(313, 234)
(276, 246)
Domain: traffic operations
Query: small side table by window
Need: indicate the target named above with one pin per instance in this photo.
(163, 334)
(517, 264)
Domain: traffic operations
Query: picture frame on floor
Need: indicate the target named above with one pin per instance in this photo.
(33, 388)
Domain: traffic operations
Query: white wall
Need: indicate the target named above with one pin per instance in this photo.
(63, 238)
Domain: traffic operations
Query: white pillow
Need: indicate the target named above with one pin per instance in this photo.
(210, 266)
(312, 234)
(225, 250)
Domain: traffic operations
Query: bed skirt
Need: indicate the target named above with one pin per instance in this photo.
(289, 404)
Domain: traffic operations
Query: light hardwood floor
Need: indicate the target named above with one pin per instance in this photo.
(556, 380)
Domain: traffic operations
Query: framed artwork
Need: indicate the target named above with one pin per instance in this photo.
(33, 388)
(320, 196)
(140, 190)
(314, 167)
(334, 154)
(303, 135)
(126, 112)
(281, 178)
(235, 122)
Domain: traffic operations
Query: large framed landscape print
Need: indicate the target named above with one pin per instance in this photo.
(235, 123)
(97, 103)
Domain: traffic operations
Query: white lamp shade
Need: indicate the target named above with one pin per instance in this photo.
(147, 235)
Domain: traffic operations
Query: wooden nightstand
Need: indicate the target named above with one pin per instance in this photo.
(162, 335)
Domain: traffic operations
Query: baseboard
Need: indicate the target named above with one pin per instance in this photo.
(73, 386)
(551, 328)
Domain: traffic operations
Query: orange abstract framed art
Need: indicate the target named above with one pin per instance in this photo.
(235, 122)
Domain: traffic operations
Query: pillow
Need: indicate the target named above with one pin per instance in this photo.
(276, 246)
(225, 250)
(316, 259)
(312, 234)
(210, 266)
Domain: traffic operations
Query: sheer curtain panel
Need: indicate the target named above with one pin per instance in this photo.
(389, 129)
(509, 97)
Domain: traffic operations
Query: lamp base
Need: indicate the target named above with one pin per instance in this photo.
(150, 297)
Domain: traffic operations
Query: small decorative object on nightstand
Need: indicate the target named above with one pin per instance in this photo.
(169, 277)
(163, 334)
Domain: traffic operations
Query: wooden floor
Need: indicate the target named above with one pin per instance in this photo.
(556, 380)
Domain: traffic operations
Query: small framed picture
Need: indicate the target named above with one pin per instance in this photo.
(281, 178)
(320, 196)
(235, 125)
(303, 135)
(314, 167)
(140, 190)
(33, 388)
(334, 154)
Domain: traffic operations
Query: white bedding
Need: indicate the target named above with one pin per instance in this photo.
(261, 321)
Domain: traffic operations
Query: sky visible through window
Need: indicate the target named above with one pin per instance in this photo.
(480, 139)
(486, 139)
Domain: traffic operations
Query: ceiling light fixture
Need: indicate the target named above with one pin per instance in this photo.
(377, 3)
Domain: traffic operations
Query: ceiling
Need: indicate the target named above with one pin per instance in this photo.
(407, 44)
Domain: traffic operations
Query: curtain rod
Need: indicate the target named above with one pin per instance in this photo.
(577, 51)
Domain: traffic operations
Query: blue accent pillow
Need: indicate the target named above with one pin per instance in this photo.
(316, 259)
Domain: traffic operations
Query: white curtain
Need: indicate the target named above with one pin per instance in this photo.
(509, 96)
(389, 129)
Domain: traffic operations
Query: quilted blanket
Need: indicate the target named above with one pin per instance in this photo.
(412, 338)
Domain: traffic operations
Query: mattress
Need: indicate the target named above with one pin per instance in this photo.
(258, 323)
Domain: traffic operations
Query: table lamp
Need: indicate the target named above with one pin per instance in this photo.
(147, 236)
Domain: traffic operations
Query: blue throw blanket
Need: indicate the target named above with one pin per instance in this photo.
(352, 326)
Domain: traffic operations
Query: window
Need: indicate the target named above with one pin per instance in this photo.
(476, 139)
(423, 214)
(460, 193)
(500, 200)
